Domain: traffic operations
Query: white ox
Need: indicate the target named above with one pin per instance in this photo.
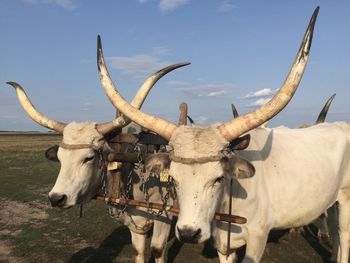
(82, 154)
(299, 173)
(327, 219)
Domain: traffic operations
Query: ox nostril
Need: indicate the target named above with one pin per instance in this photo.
(58, 200)
(197, 234)
(62, 201)
(189, 235)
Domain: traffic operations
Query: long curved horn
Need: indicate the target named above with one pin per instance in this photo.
(139, 98)
(322, 116)
(234, 111)
(162, 127)
(33, 112)
(244, 123)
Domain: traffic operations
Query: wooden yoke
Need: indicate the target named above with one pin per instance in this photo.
(116, 173)
(182, 121)
(143, 138)
(183, 114)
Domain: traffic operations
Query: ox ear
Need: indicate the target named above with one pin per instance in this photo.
(157, 162)
(240, 143)
(51, 153)
(239, 167)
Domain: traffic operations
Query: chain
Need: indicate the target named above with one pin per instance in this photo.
(127, 193)
(139, 166)
(167, 195)
(103, 169)
(127, 190)
(164, 197)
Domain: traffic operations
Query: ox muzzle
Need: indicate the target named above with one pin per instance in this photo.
(57, 199)
(188, 235)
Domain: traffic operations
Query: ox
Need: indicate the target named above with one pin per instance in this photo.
(83, 157)
(299, 173)
(323, 232)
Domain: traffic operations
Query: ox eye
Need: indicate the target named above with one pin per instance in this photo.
(88, 159)
(219, 180)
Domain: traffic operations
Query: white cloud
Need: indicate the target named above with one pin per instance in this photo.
(32, 2)
(260, 93)
(201, 119)
(178, 83)
(161, 51)
(66, 4)
(201, 90)
(166, 5)
(7, 117)
(258, 103)
(226, 6)
(170, 5)
(86, 106)
(217, 93)
(137, 66)
(140, 66)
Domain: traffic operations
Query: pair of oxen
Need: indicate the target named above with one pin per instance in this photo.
(281, 178)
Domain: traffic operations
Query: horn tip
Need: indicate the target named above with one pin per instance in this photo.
(99, 53)
(317, 9)
(306, 44)
(314, 17)
(13, 84)
(181, 64)
(332, 97)
(99, 43)
(315, 14)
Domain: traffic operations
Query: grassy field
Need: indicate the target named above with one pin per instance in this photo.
(32, 231)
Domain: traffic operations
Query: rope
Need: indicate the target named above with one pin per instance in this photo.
(82, 146)
(229, 223)
(214, 158)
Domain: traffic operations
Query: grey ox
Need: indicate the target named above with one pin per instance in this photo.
(82, 154)
(285, 178)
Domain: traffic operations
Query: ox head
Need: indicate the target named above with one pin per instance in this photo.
(83, 148)
(201, 159)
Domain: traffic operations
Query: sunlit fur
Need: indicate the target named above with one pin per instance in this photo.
(299, 174)
(198, 203)
(77, 179)
(80, 181)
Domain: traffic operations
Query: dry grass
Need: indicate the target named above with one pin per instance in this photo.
(28, 141)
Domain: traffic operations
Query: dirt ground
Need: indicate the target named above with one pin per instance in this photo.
(32, 231)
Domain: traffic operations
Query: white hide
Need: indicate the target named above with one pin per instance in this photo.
(77, 179)
(80, 181)
(299, 174)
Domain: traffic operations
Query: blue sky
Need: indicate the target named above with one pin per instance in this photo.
(240, 51)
